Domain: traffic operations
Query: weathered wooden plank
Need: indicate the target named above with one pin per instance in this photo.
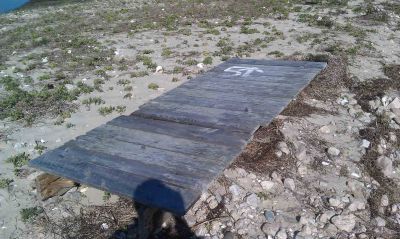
(164, 142)
(274, 90)
(229, 69)
(273, 106)
(261, 81)
(165, 196)
(150, 155)
(203, 116)
(307, 64)
(137, 168)
(192, 132)
(213, 94)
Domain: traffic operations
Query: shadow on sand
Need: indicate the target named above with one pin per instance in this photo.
(153, 222)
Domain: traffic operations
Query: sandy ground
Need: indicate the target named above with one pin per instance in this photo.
(279, 38)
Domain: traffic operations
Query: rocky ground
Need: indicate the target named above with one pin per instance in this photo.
(327, 167)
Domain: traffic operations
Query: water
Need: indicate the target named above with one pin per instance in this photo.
(8, 5)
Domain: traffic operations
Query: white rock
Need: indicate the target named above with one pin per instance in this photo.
(334, 202)
(282, 146)
(333, 151)
(212, 202)
(267, 185)
(200, 65)
(253, 200)
(104, 226)
(356, 205)
(281, 235)
(344, 222)
(325, 129)
(326, 216)
(395, 104)
(385, 100)
(236, 192)
(301, 153)
(365, 143)
(289, 183)
(385, 164)
(278, 153)
(380, 222)
(45, 60)
(159, 69)
(385, 201)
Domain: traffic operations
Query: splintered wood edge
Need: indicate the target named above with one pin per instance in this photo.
(49, 185)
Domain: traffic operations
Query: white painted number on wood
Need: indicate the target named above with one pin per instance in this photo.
(243, 71)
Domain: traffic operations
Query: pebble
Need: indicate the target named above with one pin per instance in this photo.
(281, 235)
(326, 216)
(289, 183)
(104, 226)
(385, 201)
(159, 69)
(365, 143)
(385, 164)
(269, 216)
(236, 192)
(200, 65)
(395, 104)
(356, 205)
(325, 129)
(334, 202)
(380, 222)
(344, 222)
(333, 151)
(212, 202)
(282, 146)
(267, 185)
(253, 200)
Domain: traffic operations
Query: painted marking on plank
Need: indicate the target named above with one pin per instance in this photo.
(243, 71)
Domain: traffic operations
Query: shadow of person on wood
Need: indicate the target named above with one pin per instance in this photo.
(156, 223)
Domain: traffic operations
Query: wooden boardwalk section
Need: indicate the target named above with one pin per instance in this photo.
(166, 153)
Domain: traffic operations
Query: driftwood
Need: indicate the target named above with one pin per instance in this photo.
(49, 185)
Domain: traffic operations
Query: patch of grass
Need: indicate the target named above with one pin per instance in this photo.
(83, 88)
(128, 96)
(97, 83)
(276, 53)
(123, 82)
(190, 62)
(93, 100)
(178, 69)
(120, 109)
(316, 20)
(5, 182)
(147, 61)
(69, 125)
(18, 160)
(128, 88)
(39, 147)
(29, 214)
(153, 86)
(139, 74)
(17, 104)
(106, 196)
(106, 110)
(213, 31)
(208, 60)
(148, 51)
(247, 30)
(166, 52)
